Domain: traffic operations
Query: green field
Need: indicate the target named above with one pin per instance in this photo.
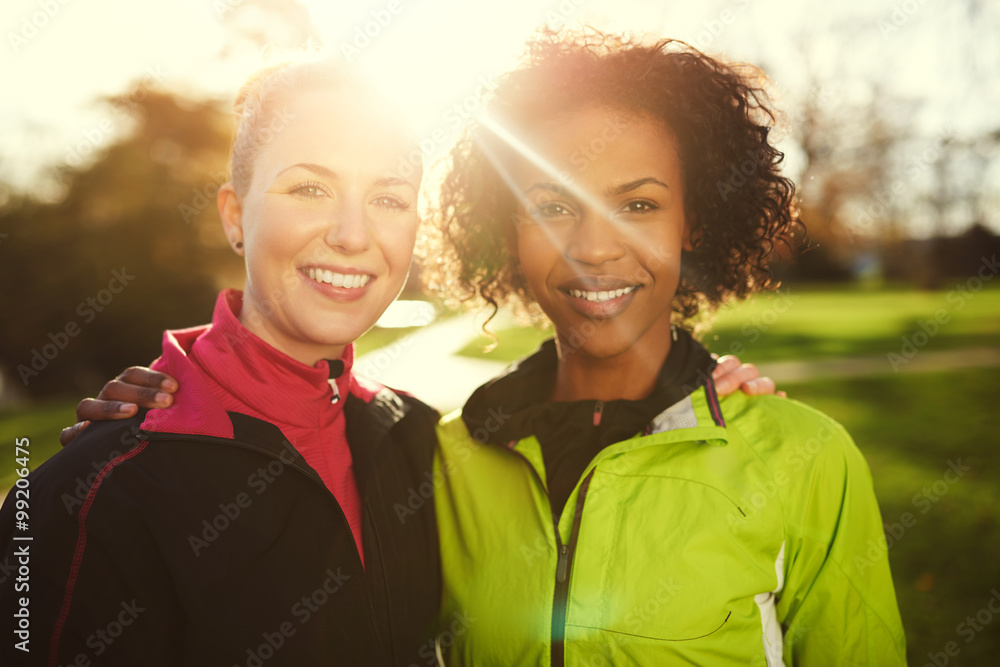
(818, 324)
(912, 429)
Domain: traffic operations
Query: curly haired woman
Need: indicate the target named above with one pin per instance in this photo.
(600, 504)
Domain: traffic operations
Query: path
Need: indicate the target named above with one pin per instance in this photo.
(425, 363)
(921, 362)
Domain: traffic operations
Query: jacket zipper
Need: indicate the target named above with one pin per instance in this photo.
(563, 568)
(564, 562)
(361, 567)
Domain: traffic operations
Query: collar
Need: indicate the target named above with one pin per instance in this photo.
(515, 405)
(261, 377)
(253, 376)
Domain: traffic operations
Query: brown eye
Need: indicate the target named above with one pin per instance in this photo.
(391, 202)
(311, 190)
(550, 210)
(639, 206)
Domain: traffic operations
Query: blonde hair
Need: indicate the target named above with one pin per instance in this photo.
(258, 116)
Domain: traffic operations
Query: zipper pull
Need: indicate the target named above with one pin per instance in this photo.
(563, 564)
(598, 412)
(336, 368)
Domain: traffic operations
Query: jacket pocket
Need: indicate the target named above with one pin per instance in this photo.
(658, 559)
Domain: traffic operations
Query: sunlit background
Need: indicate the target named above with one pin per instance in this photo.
(114, 130)
(926, 71)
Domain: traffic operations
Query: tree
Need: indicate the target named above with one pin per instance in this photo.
(133, 248)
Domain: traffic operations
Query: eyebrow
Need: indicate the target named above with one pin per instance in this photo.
(611, 192)
(309, 166)
(548, 187)
(635, 185)
(329, 173)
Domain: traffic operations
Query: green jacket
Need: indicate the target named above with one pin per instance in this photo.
(740, 533)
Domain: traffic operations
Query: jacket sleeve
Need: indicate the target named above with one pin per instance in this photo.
(90, 574)
(838, 605)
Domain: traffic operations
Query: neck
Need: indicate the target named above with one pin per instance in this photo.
(306, 353)
(630, 375)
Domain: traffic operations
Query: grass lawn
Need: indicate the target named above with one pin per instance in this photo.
(378, 337)
(41, 425)
(822, 323)
(815, 324)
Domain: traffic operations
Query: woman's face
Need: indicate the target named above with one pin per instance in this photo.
(328, 227)
(601, 228)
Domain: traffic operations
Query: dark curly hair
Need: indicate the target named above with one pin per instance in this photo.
(721, 117)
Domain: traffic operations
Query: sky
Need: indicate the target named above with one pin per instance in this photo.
(59, 57)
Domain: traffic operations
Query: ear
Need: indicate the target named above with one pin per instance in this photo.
(231, 213)
(692, 234)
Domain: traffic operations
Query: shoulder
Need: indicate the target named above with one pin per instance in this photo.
(452, 431)
(452, 424)
(106, 461)
(794, 439)
(386, 403)
(101, 447)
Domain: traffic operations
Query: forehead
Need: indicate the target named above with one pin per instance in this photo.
(600, 142)
(345, 130)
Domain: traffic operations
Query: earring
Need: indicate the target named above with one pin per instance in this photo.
(238, 244)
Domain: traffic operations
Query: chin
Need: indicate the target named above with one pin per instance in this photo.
(597, 344)
(330, 336)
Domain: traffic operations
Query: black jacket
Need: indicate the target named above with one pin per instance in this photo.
(173, 549)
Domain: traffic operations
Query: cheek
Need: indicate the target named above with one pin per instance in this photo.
(274, 230)
(662, 255)
(396, 242)
(538, 258)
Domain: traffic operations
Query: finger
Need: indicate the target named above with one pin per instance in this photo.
(781, 394)
(725, 365)
(758, 386)
(145, 377)
(67, 434)
(99, 410)
(141, 395)
(731, 381)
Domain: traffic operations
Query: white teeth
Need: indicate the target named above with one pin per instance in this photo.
(348, 280)
(600, 297)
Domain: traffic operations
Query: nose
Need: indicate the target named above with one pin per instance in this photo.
(594, 240)
(348, 229)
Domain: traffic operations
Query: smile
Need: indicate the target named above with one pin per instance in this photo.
(345, 280)
(600, 297)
